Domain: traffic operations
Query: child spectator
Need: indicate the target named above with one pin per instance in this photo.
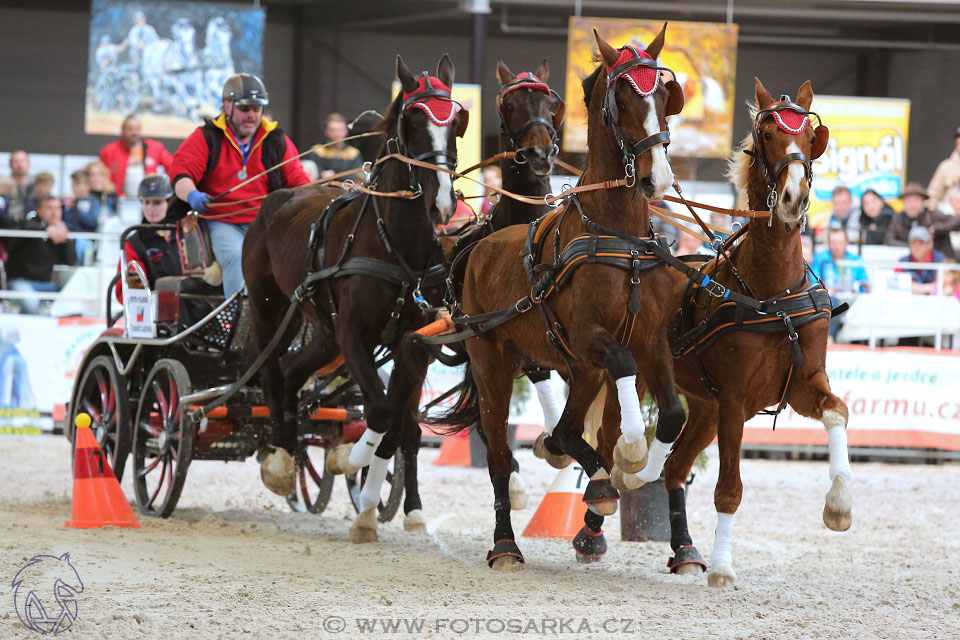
(43, 185)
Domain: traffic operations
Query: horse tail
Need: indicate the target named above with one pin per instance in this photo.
(464, 414)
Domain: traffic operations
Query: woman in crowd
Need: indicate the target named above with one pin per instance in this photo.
(875, 217)
(102, 190)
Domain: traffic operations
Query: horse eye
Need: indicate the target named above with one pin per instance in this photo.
(767, 137)
(508, 107)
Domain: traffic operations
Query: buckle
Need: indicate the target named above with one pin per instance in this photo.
(523, 305)
(715, 289)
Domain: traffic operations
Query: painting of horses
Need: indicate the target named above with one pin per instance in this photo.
(166, 62)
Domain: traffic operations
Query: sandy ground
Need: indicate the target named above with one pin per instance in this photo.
(233, 561)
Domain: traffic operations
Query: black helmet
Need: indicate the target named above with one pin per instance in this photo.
(155, 186)
(245, 88)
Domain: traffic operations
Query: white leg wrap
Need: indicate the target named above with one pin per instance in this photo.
(370, 494)
(655, 458)
(548, 402)
(363, 449)
(839, 458)
(721, 541)
(631, 419)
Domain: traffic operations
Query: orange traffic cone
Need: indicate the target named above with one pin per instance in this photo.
(455, 450)
(98, 500)
(560, 515)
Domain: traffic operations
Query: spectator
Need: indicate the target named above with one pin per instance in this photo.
(952, 205)
(102, 190)
(43, 185)
(31, 260)
(490, 176)
(844, 213)
(921, 250)
(690, 245)
(23, 198)
(339, 156)
(6, 188)
(839, 279)
(951, 281)
(946, 175)
(875, 217)
(915, 214)
(82, 215)
(130, 157)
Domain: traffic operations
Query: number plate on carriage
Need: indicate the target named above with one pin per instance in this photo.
(140, 314)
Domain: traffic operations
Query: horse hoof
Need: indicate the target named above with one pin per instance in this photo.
(836, 511)
(688, 570)
(506, 563)
(414, 522)
(590, 547)
(518, 492)
(556, 461)
(278, 472)
(601, 497)
(623, 482)
(364, 528)
(632, 457)
(338, 461)
(721, 577)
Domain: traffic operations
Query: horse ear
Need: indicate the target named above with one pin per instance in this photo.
(805, 95)
(608, 53)
(445, 70)
(405, 77)
(821, 135)
(653, 49)
(543, 70)
(558, 111)
(762, 95)
(504, 75)
(464, 121)
(674, 98)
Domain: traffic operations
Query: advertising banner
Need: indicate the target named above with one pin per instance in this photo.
(867, 150)
(166, 62)
(702, 54)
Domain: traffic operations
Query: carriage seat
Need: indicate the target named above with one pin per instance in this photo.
(173, 291)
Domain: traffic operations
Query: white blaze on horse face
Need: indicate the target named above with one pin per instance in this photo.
(794, 186)
(444, 200)
(661, 174)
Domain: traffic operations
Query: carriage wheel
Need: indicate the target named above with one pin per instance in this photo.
(162, 440)
(102, 394)
(390, 494)
(314, 482)
(128, 93)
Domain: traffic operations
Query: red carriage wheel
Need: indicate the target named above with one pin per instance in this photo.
(102, 394)
(314, 482)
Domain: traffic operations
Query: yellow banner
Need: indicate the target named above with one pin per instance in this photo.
(867, 150)
(702, 54)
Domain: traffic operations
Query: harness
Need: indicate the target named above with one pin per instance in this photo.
(527, 80)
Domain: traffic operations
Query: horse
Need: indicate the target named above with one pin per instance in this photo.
(727, 371)
(599, 319)
(171, 69)
(368, 256)
(217, 59)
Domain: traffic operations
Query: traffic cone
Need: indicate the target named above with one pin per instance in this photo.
(455, 450)
(560, 515)
(98, 500)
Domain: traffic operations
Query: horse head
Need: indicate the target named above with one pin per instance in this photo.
(633, 102)
(428, 122)
(530, 114)
(783, 144)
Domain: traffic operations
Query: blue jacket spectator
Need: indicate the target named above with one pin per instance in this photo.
(837, 278)
(921, 250)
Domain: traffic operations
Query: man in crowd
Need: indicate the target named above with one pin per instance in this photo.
(922, 250)
(23, 198)
(843, 212)
(131, 157)
(839, 279)
(916, 214)
(338, 156)
(946, 175)
(43, 185)
(30, 262)
(229, 151)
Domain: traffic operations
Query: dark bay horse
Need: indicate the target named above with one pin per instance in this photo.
(367, 256)
(743, 371)
(593, 310)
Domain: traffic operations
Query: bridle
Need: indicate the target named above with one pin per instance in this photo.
(611, 115)
(528, 80)
(770, 175)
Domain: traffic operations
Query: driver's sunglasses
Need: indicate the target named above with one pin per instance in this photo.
(249, 107)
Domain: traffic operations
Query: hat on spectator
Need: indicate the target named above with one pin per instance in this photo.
(914, 189)
(919, 233)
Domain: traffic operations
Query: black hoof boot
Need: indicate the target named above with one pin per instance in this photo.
(590, 547)
(601, 497)
(687, 554)
(506, 549)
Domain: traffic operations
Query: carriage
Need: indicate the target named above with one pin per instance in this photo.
(181, 347)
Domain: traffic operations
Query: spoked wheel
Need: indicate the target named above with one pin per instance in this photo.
(314, 482)
(102, 394)
(390, 494)
(162, 440)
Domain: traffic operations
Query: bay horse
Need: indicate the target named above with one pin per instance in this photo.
(366, 257)
(594, 310)
(734, 360)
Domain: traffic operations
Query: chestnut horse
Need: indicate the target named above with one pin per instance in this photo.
(593, 310)
(731, 368)
(365, 257)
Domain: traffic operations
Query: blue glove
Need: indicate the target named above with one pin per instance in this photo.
(198, 200)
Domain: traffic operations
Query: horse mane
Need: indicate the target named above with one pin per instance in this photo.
(588, 84)
(738, 166)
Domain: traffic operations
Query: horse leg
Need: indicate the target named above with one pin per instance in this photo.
(630, 453)
(728, 492)
(551, 415)
(699, 431)
(413, 519)
(815, 400)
